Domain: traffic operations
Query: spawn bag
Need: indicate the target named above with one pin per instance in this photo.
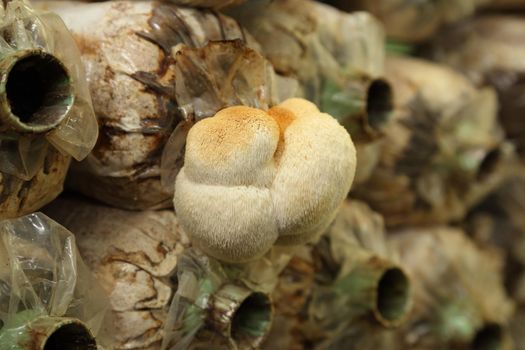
(487, 50)
(46, 288)
(442, 149)
(46, 113)
(154, 70)
(337, 58)
(346, 291)
(459, 298)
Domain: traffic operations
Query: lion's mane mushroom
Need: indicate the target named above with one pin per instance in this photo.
(253, 178)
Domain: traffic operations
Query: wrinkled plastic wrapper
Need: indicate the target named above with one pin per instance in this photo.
(458, 288)
(488, 49)
(442, 151)
(23, 29)
(356, 41)
(290, 296)
(208, 79)
(218, 75)
(338, 59)
(19, 197)
(413, 21)
(155, 68)
(144, 261)
(199, 277)
(42, 274)
(354, 254)
(133, 254)
(315, 43)
(326, 294)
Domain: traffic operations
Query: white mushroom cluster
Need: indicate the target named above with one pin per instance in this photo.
(253, 178)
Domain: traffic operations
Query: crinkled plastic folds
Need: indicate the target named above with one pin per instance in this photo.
(316, 43)
(442, 149)
(335, 56)
(133, 255)
(338, 305)
(210, 78)
(24, 28)
(325, 296)
(199, 276)
(488, 49)
(42, 274)
(145, 45)
(458, 290)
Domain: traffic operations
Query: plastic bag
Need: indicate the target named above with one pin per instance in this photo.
(134, 52)
(337, 58)
(133, 255)
(459, 298)
(326, 50)
(42, 275)
(346, 291)
(222, 306)
(487, 49)
(497, 221)
(36, 141)
(75, 134)
(442, 150)
(143, 261)
(19, 197)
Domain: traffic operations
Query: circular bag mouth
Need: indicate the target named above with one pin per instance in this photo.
(379, 103)
(38, 91)
(70, 336)
(393, 295)
(252, 321)
(490, 337)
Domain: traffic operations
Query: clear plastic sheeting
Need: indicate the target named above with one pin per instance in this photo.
(362, 288)
(459, 295)
(338, 60)
(222, 306)
(498, 222)
(19, 197)
(37, 137)
(231, 73)
(42, 275)
(347, 291)
(442, 151)
(207, 79)
(133, 254)
(354, 40)
(144, 261)
(152, 67)
(27, 30)
(489, 50)
(316, 43)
